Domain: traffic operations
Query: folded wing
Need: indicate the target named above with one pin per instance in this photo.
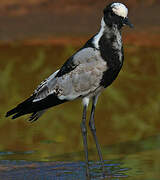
(79, 76)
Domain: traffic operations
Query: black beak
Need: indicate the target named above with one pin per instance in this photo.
(127, 22)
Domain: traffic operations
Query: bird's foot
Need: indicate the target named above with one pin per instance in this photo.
(88, 177)
(103, 169)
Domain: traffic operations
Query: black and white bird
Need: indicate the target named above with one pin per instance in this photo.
(84, 75)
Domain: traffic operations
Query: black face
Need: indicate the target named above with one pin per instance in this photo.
(110, 18)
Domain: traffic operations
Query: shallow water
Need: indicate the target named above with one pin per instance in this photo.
(59, 170)
(127, 119)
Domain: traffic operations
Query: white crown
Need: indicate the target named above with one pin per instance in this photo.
(119, 9)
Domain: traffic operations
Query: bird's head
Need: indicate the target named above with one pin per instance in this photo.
(116, 14)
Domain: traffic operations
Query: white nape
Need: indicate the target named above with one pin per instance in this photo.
(120, 9)
(99, 35)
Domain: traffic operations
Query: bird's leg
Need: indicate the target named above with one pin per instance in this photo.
(93, 129)
(84, 135)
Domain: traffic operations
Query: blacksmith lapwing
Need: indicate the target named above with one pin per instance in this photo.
(84, 75)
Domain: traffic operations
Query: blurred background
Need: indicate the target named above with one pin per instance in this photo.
(36, 37)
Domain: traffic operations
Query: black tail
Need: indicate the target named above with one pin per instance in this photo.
(28, 106)
(21, 108)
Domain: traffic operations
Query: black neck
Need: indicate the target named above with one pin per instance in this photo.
(111, 50)
(111, 47)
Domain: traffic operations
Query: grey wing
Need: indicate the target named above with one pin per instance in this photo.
(83, 79)
(45, 88)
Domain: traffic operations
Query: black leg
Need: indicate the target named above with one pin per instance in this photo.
(93, 130)
(84, 135)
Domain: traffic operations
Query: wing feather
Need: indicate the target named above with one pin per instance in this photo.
(84, 72)
(80, 75)
(84, 78)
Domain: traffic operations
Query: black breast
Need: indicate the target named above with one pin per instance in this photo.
(112, 56)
